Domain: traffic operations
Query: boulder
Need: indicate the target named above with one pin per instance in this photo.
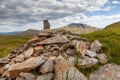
(47, 67)
(88, 62)
(25, 66)
(53, 40)
(95, 46)
(66, 71)
(91, 53)
(107, 72)
(46, 77)
(102, 58)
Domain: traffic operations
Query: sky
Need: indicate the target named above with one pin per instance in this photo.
(20, 15)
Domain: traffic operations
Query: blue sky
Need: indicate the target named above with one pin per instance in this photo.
(20, 15)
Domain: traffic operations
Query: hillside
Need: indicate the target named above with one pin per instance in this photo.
(10, 42)
(30, 32)
(110, 37)
(79, 28)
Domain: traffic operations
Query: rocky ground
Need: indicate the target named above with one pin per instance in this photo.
(54, 55)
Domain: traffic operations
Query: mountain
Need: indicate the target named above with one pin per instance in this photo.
(30, 32)
(110, 36)
(79, 28)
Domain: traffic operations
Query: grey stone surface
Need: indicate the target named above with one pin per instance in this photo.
(95, 46)
(107, 72)
(47, 67)
(46, 77)
(91, 53)
(102, 58)
(66, 71)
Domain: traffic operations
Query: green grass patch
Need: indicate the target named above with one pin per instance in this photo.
(10, 43)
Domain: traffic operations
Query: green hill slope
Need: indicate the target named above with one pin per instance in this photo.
(110, 37)
(9, 43)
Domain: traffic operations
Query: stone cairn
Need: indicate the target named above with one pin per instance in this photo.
(52, 55)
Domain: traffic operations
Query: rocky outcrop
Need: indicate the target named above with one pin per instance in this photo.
(107, 72)
(66, 71)
(52, 55)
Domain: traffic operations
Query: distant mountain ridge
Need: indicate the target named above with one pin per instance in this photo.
(80, 28)
(77, 28)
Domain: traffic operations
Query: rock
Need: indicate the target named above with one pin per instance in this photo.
(91, 53)
(38, 48)
(72, 60)
(47, 67)
(88, 62)
(102, 58)
(107, 72)
(19, 58)
(81, 47)
(28, 76)
(25, 66)
(56, 39)
(70, 51)
(95, 46)
(20, 78)
(46, 77)
(35, 39)
(29, 52)
(66, 71)
(3, 79)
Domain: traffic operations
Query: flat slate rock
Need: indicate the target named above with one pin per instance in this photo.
(55, 39)
(25, 66)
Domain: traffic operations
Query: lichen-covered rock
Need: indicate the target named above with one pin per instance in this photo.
(107, 72)
(88, 62)
(29, 52)
(47, 67)
(95, 46)
(102, 58)
(66, 71)
(91, 53)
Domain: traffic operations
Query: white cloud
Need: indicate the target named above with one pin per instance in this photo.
(115, 2)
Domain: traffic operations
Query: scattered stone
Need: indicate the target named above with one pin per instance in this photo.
(47, 67)
(102, 58)
(91, 53)
(88, 62)
(66, 71)
(19, 58)
(95, 46)
(25, 66)
(46, 77)
(107, 72)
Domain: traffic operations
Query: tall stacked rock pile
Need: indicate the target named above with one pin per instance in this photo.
(52, 55)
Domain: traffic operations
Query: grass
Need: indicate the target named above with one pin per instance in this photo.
(9, 43)
(110, 37)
